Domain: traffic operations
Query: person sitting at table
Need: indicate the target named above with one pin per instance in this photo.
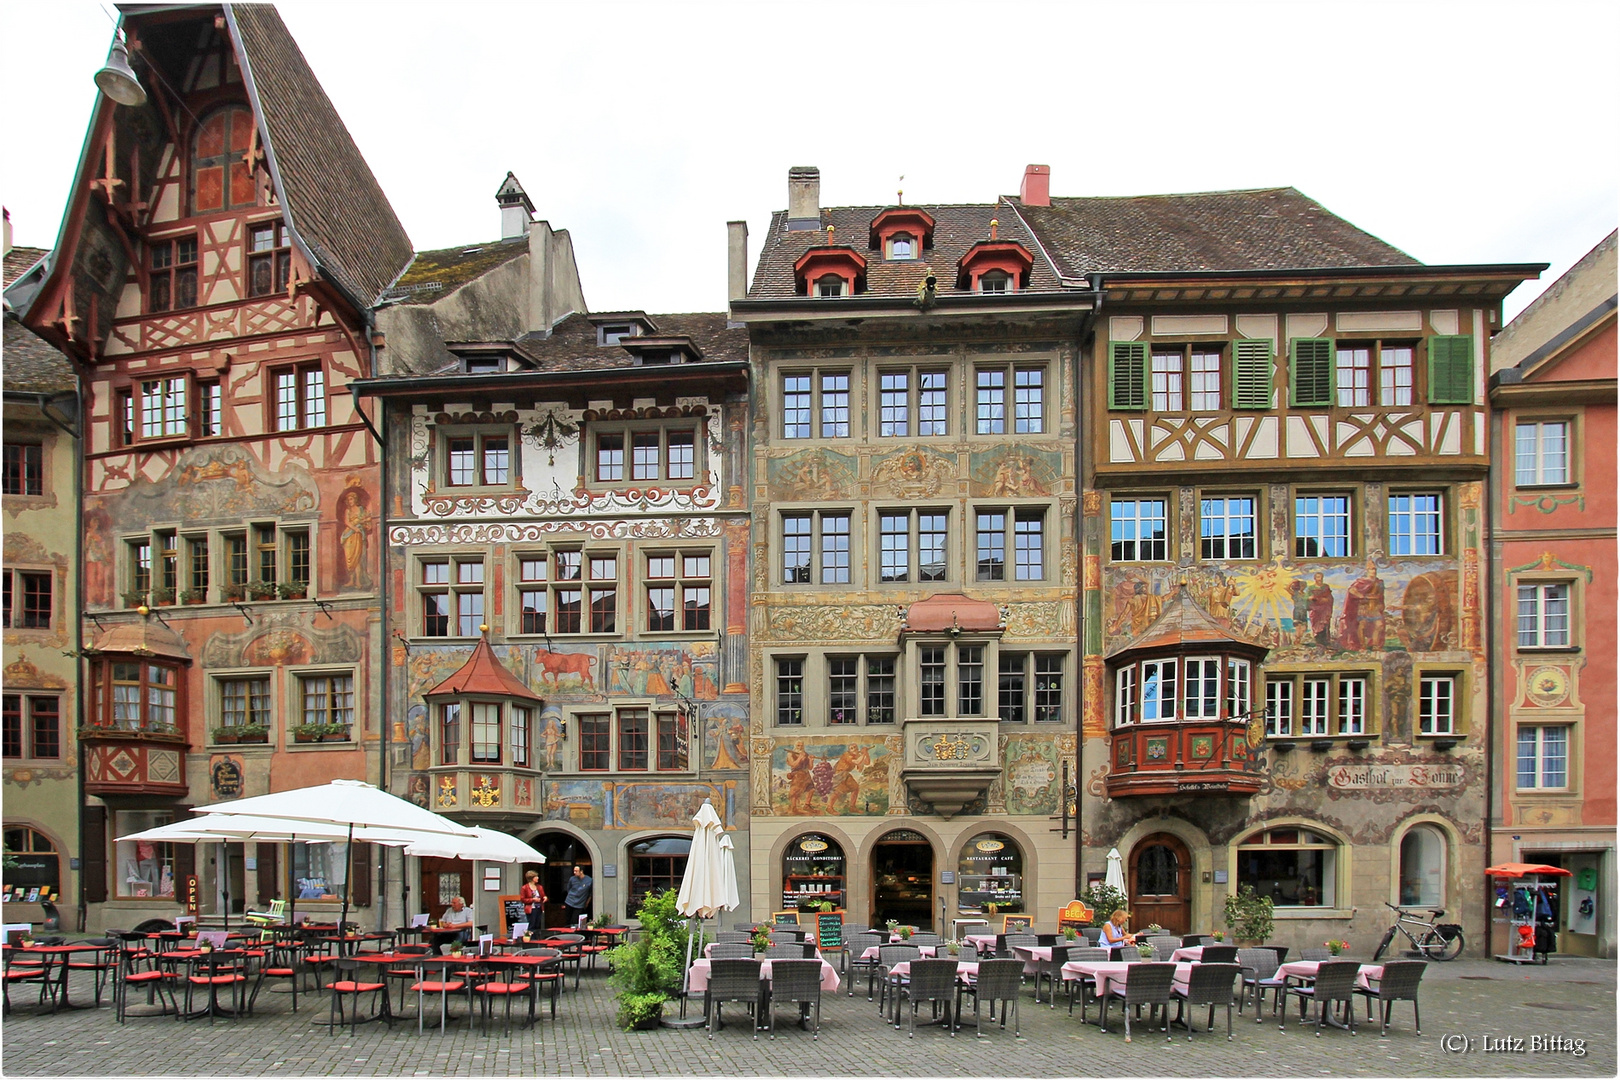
(455, 924)
(1113, 931)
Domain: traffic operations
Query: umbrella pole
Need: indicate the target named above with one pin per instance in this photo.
(292, 892)
(348, 882)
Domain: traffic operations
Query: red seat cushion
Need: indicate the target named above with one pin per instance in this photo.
(347, 987)
(439, 987)
(502, 988)
(285, 972)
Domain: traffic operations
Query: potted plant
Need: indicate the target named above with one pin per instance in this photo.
(251, 733)
(905, 933)
(1249, 916)
(224, 736)
(954, 946)
(1337, 946)
(1219, 936)
(648, 971)
(1146, 951)
(193, 596)
(133, 598)
(292, 590)
(262, 590)
(761, 939)
(320, 732)
(893, 927)
(1070, 934)
(234, 590)
(162, 597)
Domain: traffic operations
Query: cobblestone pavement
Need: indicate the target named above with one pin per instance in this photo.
(1473, 1011)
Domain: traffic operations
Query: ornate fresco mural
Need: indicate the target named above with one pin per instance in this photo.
(830, 776)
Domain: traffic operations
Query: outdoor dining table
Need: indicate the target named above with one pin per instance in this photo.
(699, 976)
(873, 951)
(56, 957)
(1107, 972)
(1191, 954)
(1306, 970)
(966, 972)
(206, 963)
(1033, 956)
(982, 941)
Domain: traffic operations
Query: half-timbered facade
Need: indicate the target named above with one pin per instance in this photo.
(223, 244)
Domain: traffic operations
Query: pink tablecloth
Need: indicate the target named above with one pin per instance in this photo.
(1188, 954)
(1108, 972)
(982, 941)
(708, 951)
(963, 968)
(699, 979)
(1032, 955)
(871, 952)
(1306, 969)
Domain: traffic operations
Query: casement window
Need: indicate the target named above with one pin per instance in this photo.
(478, 459)
(1416, 523)
(1438, 707)
(679, 591)
(210, 410)
(1544, 615)
(820, 539)
(912, 545)
(28, 600)
(1252, 371)
(264, 562)
(33, 726)
(1027, 387)
(450, 733)
(1194, 688)
(815, 404)
(521, 735)
(595, 742)
(1316, 705)
(614, 333)
(24, 472)
(163, 408)
(1186, 376)
(300, 397)
(1541, 453)
(912, 401)
(484, 728)
(1226, 527)
(952, 679)
(1543, 757)
(452, 596)
(657, 865)
(134, 696)
(634, 739)
(1322, 527)
(533, 594)
(1158, 683)
(861, 689)
(269, 258)
(902, 246)
(1351, 374)
(1022, 530)
(140, 571)
(172, 277)
(1359, 383)
(830, 285)
(197, 574)
(1239, 688)
(1295, 867)
(1138, 529)
(646, 454)
(1029, 686)
(790, 690)
(996, 281)
(221, 179)
(327, 699)
(245, 701)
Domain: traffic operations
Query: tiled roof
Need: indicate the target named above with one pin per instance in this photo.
(337, 207)
(572, 346)
(149, 637)
(956, 228)
(32, 365)
(19, 260)
(433, 275)
(484, 674)
(944, 612)
(1183, 622)
(1261, 229)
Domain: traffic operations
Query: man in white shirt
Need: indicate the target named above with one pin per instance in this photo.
(456, 923)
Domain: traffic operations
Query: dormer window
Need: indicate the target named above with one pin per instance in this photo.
(830, 285)
(830, 270)
(902, 246)
(901, 232)
(995, 281)
(613, 333)
(995, 266)
(485, 365)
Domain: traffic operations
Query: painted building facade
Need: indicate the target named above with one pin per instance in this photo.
(1553, 504)
(223, 243)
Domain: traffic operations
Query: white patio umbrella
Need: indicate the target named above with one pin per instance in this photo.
(1115, 878)
(728, 862)
(709, 885)
(350, 803)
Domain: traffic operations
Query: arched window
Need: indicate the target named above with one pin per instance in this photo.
(812, 870)
(902, 246)
(656, 864)
(1423, 867)
(990, 871)
(830, 285)
(33, 870)
(221, 179)
(1295, 867)
(995, 281)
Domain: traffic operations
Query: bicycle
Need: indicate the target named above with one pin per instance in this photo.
(1436, 940)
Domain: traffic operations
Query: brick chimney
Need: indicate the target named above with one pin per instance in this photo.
(736, 260)
(804, 198)
(1037, 186)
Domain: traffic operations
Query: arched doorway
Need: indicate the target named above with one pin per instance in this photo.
(903, 880)
(1160, 884)
(442, 879)
(562, 851)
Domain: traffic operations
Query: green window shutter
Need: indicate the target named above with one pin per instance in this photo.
(1311, 372)
(1451, 369)
(1127, 374)
(1251, 373)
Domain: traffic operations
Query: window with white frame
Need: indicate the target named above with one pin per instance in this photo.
(911, 401)
(1028, 391)
(1544, 615)
(1279, 708)
(1201, 688)
(912, 545)
(1023, 530)
(1322, 527)
(1316, 705)
(1138, 530)
(902, 246)
(1540, 452)
(1437, 705)
(1125, 702)
(1354, 374)
(1416, 523)
(679, 591)
(163, 407)
(996, 281)
(300, 397)
(210, 410)
(1167, 380)
(819, 539)
(1159, 690)
(830, 285)
(646, 453)
(815, 404)
(1029, 686)
(1239, 687)
(477, 459)
(1226, 527)
(1543, 756)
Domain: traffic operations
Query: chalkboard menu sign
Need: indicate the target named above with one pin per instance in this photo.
(785, 918)
(830, 930)
(512, 912)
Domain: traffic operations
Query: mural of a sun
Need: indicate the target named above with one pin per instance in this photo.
(1266, 592)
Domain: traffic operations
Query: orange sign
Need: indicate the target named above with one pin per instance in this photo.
(191, 894)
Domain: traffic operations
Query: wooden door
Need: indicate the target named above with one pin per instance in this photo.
(1160, 884)
(442, 879)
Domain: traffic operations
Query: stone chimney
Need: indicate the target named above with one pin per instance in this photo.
(8, 231)
(804, 198)
(516, 209)
(1037, 187)
(736, 260)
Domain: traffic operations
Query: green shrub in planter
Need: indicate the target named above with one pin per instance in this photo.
(1103, 901)
(648, 971)
(1249, 915)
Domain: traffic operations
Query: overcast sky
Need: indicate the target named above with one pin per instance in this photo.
(1459, 132)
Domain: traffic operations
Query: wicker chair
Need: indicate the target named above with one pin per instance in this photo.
(1316, 954)
(888, 956)
(1145, 984)
(731, 950)
(732, 937)
(933, 981)
(998, 980)
(787, 950)
(733, 980)
(856, 948)
(1260, 975)
(798, 981)
(1398, 983)
(1208, 984)
(1219, 954)
(1164, 946)
(1051, 970)
(1335, 981)
(1006, 943)
(924, 938)
(1087, 987)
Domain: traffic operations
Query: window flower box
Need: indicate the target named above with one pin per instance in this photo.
(234, 591)
(240, 734)
(262, 590)
(292, 590)
(194, 596)
(312, 733)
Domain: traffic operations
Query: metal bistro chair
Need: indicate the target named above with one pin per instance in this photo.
(1259, 976)
(1086, 986)
(137, 966)
(731, 950)
(1145, 984)
(888, 956)
(854, 950)
(1335, 982)
(998, 980)
(346, 982)
(101, 964)
(546, 976)
(281, 962)
(798, 981)
(733, 980)
(572, 948)
(434, 976)
(1208, 984)
(933, 981)
(1398, 983)
(502, 980)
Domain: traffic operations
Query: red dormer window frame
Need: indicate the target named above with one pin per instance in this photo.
(1008, 256)
(912, 220)
(844, 263)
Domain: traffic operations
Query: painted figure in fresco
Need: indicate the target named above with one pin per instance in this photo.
(657, 679)
(703, 687)
(801, 784)
(1299, 624)
(416, 730)
(1014, 476)
(1363, 625)
(416, 790)
(1220, 598)
(1130, 604)
(551, 738)
(97, 557)
(1320, 603)
(848, 773)
(620, 678)
(354, 520)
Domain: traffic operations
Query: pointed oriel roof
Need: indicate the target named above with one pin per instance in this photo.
(484, 674)
(1181, 623)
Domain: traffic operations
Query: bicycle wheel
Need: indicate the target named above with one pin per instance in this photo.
(1389, 936)
(1438, 947)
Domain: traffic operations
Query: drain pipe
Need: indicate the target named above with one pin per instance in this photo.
(1496, 725)
(1087, 330)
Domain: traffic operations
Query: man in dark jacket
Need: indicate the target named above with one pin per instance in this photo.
(578, 898)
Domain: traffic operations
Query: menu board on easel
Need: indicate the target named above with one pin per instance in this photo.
(830, 930)
(511, 912)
